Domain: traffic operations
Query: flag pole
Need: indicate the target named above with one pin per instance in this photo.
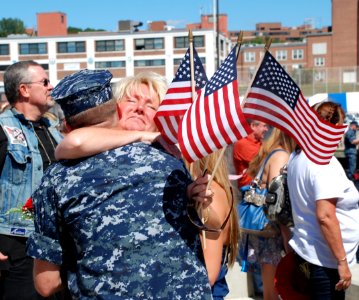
(266, 48)
(193, 85)
(239, 44)
(193, 89)
(268, 43)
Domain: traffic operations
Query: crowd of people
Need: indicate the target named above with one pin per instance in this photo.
(117, 212)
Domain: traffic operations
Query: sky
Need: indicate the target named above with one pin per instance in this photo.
(105, 14)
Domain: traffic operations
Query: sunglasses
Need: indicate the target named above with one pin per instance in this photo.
(45, 82)
(196, 220)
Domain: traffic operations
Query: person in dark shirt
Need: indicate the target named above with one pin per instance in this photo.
(27, 144)
(350, 143)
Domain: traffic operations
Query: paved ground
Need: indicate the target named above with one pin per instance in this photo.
(241, 289)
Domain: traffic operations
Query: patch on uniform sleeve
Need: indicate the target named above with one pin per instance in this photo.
(16, 136)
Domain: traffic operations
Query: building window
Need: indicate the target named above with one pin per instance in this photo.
(109, 64)
(281, 54)
(148, 44)
(297, 54)
(73, 66)
(249, 57)
(4, 49)
(34, 48)
(319, 61)
(297, 66)
(3, 67)
(177, 61)
(319, 48)
(182, 41)
(149, 62)
(319, 76)
(111, 45)
(70, 47)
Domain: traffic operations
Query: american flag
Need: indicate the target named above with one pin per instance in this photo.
(215, 119)
(274, 98)
(179, 96)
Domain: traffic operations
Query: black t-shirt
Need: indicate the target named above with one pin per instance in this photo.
(46, 139)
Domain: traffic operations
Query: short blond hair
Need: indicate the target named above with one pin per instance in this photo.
(155, 82)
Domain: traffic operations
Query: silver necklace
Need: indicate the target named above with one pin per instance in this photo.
(42, 145)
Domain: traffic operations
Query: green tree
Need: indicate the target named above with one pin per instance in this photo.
(71, 29)
(89, 29)
(11, 26)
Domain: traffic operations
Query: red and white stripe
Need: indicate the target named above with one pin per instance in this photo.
(212, 122)
(176, 102)
(318, 138)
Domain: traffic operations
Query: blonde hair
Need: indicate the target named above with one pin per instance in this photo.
(277, 139)
(127, 86)
(222, 178)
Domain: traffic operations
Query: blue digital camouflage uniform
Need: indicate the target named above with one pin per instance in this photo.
(118, 222)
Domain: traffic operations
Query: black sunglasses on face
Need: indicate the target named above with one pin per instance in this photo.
(197, 221)
(45, 82)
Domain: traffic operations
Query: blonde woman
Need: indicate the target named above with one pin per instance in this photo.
(138, 98)
(268, 251)
(220, 246)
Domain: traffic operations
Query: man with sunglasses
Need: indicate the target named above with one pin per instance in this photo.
(27, 144)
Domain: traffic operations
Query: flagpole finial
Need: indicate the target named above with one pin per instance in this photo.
(268, 43)
(240, 38)
(239, 43)
(190, 36)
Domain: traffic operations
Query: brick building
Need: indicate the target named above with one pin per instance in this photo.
(124, 53)
(161, 47)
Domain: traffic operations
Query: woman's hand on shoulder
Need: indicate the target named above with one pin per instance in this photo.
(197, 191)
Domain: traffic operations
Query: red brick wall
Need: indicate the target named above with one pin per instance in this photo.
(51, 24)
(345, 32)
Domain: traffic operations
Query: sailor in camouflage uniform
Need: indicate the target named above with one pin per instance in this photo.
(116, 221)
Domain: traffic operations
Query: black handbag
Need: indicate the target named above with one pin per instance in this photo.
(277, 203)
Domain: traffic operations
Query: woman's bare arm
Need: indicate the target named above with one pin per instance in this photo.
(217, 212)
(329, 225)
(88, 141)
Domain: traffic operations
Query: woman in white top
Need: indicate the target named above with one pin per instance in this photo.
(326, 217)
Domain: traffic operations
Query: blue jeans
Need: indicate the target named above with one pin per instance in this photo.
(351, 158)
(322, 283)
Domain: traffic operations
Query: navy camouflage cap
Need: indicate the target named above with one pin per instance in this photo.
(83, 90)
